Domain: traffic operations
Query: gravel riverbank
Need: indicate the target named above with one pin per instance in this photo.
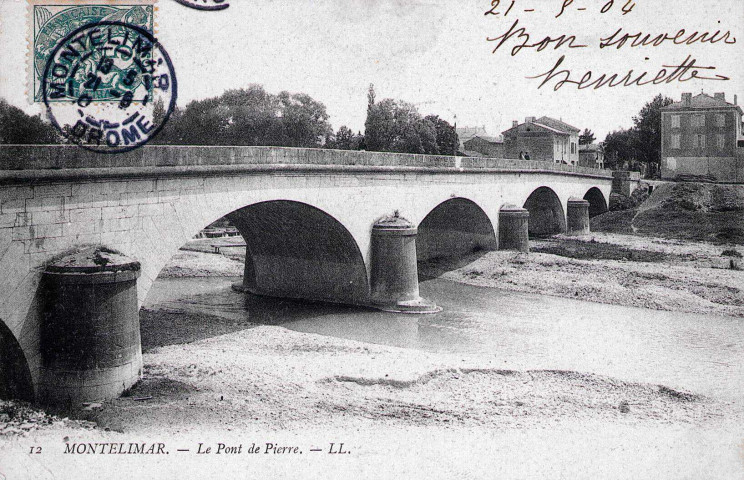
(618, 269)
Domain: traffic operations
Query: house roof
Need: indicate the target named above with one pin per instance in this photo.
(486, 138)
(551, 124)
(557, 125)
(466, 133)
(702, 100)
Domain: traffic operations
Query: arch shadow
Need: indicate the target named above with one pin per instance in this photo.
(453, 229)
(15, 375)
(295, 250)
(546, 213)
(597, 202)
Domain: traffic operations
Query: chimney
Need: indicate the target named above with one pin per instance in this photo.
(529, 120)
(720, 96)
(736, 100)
(515, 123)
(687, 99)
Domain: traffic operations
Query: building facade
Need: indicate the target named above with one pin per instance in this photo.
(545, 139)
(591, 155)
(700, 136)
(466, 133)
(482, 145)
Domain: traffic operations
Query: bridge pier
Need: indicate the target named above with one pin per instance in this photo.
(394, 273)
(514, 228)
(90, 332)
(577, 216)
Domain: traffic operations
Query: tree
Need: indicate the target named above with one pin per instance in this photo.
(371, 96)
(250, 116)
(647, 127)
(397, 126)
(642, 142)
(447, 140)
(18, 127)
(587, 137)
(344, 139)
(619, 149)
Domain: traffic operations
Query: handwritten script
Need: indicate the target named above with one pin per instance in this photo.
(517, 39)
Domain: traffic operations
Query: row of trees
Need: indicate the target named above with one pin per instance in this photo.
(252, 116)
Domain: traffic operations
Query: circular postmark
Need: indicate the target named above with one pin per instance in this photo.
(205, 4)
(109, 86)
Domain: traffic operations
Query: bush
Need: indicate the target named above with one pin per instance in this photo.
(619, 202)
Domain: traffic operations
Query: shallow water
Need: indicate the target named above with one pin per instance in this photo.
(694, 352)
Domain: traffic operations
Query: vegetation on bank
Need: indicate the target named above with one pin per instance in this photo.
(683, 211)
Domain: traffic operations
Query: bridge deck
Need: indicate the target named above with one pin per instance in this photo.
(21, 163)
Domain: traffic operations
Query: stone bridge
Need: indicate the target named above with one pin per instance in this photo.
(307, 216)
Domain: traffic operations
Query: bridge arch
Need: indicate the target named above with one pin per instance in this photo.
(296, 250)
(15, 375)
(547, 216)
(454, 228)
(597, 202)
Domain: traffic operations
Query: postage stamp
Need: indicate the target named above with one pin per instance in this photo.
(52, 20)
(108, 85)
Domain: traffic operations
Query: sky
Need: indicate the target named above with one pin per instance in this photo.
(432, 53)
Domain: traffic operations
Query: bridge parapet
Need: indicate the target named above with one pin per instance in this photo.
(59, 157)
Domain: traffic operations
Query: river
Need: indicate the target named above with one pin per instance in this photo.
(699, 353)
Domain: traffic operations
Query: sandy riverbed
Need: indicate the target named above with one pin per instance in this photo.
(409, 412)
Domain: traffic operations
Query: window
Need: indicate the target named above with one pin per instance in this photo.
(573, 147)
(698, 121)
(675, 121)
(720, 120)
(721, 141)
(675, 140)
(699, 141)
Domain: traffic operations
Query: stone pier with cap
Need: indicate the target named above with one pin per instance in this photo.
(577, 216)
(90, 333)
(394, 272)
(514, 228)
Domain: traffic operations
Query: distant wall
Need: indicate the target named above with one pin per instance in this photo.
(724, 169)
(489, 149)
(624, 182)
(590, 159)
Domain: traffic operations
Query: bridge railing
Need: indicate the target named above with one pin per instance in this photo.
(53, 157)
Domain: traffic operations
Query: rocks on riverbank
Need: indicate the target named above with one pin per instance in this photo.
(685, 211)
